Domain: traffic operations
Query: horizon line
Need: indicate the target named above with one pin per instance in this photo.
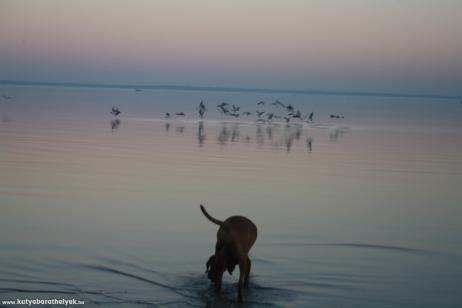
(223, 89)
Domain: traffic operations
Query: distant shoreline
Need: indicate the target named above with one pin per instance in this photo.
(221, 89)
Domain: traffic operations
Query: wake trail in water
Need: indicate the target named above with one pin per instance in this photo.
(156, 283)
(363, 245)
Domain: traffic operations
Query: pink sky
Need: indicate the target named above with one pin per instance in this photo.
(411, 46)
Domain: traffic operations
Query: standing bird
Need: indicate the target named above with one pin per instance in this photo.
(201, 109)
(115, 111)
(167, 115)
(310, 117)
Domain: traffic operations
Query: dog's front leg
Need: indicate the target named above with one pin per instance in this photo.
(218, 282)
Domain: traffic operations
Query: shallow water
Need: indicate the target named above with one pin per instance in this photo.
(359, 212)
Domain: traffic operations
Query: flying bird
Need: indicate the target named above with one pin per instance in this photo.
(235, 108)
(222, 109)
(278, 103)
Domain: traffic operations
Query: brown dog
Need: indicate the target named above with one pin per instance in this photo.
(235, 237)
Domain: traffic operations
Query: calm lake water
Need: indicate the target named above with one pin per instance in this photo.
(357, 212)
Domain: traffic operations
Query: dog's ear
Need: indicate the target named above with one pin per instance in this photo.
(209, 263)
(230, 268)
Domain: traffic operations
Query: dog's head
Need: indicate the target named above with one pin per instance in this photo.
(211, 269)
(217, 264)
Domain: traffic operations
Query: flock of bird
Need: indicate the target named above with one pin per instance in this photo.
(285, 112)
(263, 116)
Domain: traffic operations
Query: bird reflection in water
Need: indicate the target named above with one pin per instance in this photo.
(276, 135)
(291, 133)
(201, 134)
(235, 133)
(269, 132)
(289, 142)
(336, 134)
(6, 119)
(179, 129)
(260, 138)
(229, 134)
(309, 144)
(223, 135)
(115, 123)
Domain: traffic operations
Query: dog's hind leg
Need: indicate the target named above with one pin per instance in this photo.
(242, 273)
(247, 273)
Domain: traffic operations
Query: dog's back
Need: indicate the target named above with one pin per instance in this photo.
(243, 229)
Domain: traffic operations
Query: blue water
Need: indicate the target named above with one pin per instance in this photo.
(356, 212)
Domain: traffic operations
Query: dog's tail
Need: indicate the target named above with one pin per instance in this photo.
(214, 220)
